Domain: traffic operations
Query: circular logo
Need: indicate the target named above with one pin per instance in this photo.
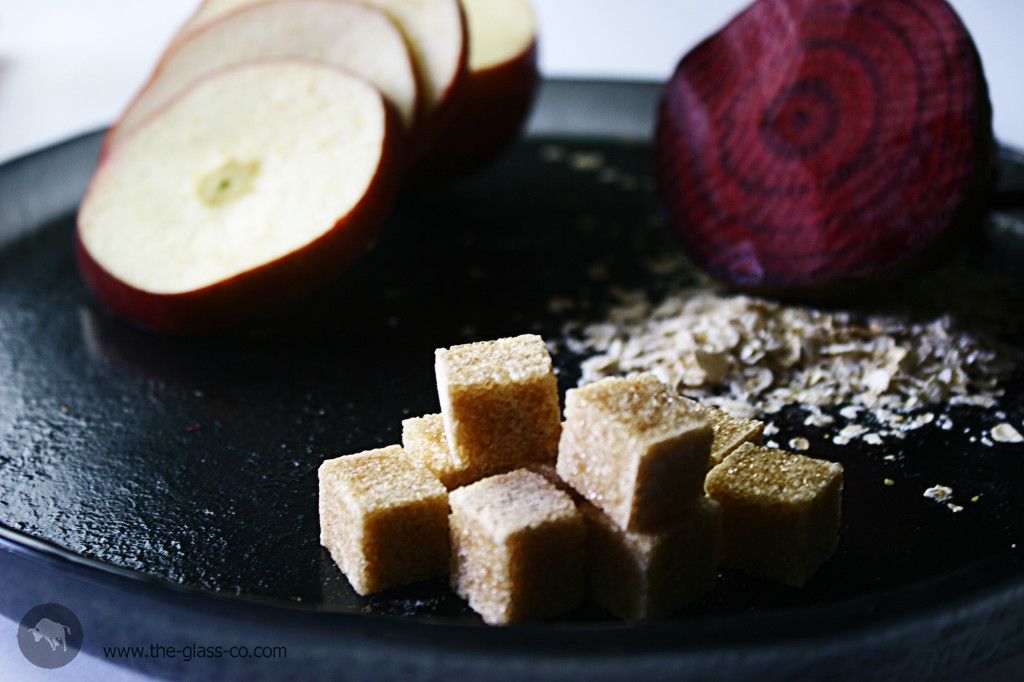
(50, 635)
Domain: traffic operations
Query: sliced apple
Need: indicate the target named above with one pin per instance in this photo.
(499, 92)
(435, 31)
(345, 34)
(257, 184)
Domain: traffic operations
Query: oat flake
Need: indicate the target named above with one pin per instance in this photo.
(939, 493)
(799, 443)
(729, 350)
(1005, 433)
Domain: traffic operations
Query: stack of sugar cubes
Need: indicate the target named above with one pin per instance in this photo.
(529, 514)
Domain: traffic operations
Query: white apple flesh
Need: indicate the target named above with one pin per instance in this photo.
(500, 87)
(500, 31)
(350, 35)
(254, 186)
(435, 31)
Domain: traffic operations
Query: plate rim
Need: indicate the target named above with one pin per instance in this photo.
(871, 614)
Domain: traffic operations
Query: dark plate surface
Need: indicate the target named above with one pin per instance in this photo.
(184, 470)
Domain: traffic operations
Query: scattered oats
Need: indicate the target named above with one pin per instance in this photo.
(817, 417)
(736, 408)
(939, 493)
(597, 271)
(586, 161)
(889, 481)
(883, 370)
(560, 305)
(890, 458)
(848, 433)
(955, 508)
(628, 182)
(551, 153)
(574, 345)
(986, 441)
(588, 223)
(986, 401)
(1006, 433)
(872, 439)
(799, 443)
(850, 411)
(771, 444)
(1006, 222)
(770, 429)
(944, 422)
(975, 498)
(610, 175)
(666, 263)
(913, 423)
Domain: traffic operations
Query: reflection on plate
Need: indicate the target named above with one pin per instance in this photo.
(193, 461)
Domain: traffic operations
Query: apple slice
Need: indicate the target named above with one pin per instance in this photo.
(345, 34)
(500, 87)
(435, 31)
(254, 186)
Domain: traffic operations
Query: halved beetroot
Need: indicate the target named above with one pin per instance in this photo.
(809, 145)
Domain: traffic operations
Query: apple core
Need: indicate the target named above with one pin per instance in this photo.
(229, 182)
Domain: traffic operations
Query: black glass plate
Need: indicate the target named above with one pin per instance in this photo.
(167, 487)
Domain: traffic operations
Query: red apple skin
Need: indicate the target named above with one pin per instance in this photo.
(262, 289)
(494, 108)
(185, 33)
(431, 124)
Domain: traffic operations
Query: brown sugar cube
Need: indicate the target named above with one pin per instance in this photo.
(424, 439)
(499, 401)
(647, 575)
(549, 472)
(384, 519)
(729, 432)
(635, 449)
(517, 548)
(780, 512)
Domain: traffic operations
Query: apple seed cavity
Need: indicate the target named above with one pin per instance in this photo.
(229, 182)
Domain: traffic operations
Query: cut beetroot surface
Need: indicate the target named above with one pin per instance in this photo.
(811, 144)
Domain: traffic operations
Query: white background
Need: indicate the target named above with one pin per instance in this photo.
(69, 67)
